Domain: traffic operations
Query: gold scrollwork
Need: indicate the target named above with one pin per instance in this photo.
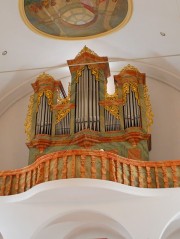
(149, 113)
(112, 108)
(134, 88)
(129, 68)
(85, 49)
(61, 113)
(28, 121)
(78, 74)
(94, 72)
(48, 94)
(44, 76)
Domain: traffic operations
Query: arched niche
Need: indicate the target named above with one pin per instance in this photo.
(82, 225)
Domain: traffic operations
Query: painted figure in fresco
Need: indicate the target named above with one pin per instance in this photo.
(76, 18)
(36, 5)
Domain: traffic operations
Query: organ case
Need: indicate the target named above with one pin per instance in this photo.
(88, 117)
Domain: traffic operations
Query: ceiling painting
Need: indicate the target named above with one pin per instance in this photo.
(75, 19)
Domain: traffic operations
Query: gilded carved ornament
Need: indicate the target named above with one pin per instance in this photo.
(78, 74)
(28, 121)
(59, 99)
(129, 68)
(112, 108)
(125, 90)
(48, 94)
(94, 72)
(149, 113)
(65, 110)
(84, 50)
(44, 76)
(58, 96)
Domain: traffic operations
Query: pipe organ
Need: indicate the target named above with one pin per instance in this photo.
(88, 117)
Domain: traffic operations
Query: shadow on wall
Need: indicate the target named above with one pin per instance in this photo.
(164, 99)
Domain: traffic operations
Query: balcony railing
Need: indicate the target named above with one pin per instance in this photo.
(91, 164)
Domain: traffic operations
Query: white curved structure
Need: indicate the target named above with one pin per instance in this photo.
(89, 208)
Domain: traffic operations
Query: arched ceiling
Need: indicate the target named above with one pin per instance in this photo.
(140, 43)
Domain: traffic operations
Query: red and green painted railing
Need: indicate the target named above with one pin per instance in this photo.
(91, 164)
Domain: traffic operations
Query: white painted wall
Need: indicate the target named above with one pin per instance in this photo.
(166, 128)
(165, 131)
(13, 151)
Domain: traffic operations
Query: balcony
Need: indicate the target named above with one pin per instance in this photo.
(92, 164)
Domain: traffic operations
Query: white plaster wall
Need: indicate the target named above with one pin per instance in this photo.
(165, 130)
(13, 151)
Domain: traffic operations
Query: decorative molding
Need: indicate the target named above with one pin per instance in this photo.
(125, 90)
(93, 69)
(111, 104)
(129, 68)
(89, 139)
(48, 94)
(86, 50)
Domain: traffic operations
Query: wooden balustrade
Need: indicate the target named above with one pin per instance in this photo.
(91, 164)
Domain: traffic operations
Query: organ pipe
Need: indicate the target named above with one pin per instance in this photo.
(44, 117)
(87, 102)
(131, 110)
(63, 127)
(111, 123)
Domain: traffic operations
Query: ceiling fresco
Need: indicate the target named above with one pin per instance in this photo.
(73, 19)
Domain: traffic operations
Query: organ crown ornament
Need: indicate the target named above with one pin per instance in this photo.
(88, 117)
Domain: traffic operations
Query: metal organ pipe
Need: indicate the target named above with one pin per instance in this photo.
(63, 127)
(81, 103)
(85, 80)
(131, 111)
(94, 103)
(43, 117)
(97, 105)
(111, 123)
(87, 102)
(90, 106)
(78, 107)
